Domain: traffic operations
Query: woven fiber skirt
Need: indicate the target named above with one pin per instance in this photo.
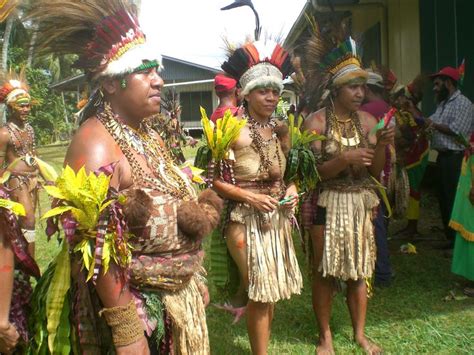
(349, 244)
(274, 273)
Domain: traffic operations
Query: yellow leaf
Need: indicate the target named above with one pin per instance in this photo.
(5, 177)
(54, 191)
(57, 211)
(15, 207)
(47, 171)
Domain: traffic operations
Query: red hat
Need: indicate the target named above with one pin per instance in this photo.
(224, 83)
(450, 72)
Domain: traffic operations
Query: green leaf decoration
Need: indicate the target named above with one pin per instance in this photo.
(383, 194)
(62, 342)
(219, 272)
(55, 300)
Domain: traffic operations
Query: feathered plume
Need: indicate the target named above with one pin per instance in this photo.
(10, 81)
(389, 77)
(6, 8)
(326, 48)
(88, 28)
(252, 53)
(416, 88)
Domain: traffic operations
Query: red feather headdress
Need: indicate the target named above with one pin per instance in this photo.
(260, 63)
(105, 34)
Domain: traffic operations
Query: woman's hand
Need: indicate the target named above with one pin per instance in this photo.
(385, 136)
(359, 156)
(291, 195)
(140, 347)
(8, 338)
(261, 202)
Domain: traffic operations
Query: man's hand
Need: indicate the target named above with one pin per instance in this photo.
(8, 338)
(262, 202)
(359, 156)
(385, 136)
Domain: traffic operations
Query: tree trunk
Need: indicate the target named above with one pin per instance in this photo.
(6, 42)
(4, 61)
(31, 50)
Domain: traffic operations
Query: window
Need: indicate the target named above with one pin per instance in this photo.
(190, 102)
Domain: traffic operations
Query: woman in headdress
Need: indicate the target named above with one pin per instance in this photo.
(342, 230)
(257, 229)
(136, 282)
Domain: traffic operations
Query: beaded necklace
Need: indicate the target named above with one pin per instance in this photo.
(346, 137)
(262, 145)
(165, 176)
(23, 139)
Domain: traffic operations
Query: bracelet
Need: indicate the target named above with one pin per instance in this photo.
(126, 326)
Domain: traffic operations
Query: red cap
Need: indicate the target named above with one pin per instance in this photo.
(450, 72)
(224, 83)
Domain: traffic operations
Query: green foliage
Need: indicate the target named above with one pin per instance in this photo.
(48, 115)
(301, 163)
(282, 108)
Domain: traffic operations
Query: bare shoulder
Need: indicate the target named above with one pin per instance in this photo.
(316, 121)
(367, 121)
(92, 147)
(4, 136)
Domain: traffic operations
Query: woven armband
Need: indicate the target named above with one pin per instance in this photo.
(124, 322)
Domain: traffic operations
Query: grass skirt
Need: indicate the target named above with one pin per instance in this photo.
(274, 273)
(349, 244)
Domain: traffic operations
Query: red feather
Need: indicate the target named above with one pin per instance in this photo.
(254, 56)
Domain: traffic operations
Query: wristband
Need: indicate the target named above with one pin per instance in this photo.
(126, 326)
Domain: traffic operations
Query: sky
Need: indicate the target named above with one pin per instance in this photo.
(193, 30)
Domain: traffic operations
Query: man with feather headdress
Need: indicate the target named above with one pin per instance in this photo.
(129, 278)
(18, 195)
(348, 161)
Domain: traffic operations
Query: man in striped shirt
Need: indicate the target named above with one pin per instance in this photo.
(452, 123)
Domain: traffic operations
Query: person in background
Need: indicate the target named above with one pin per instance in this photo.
(378, 107)
(412, 147)
(452, 123)
(462, 221)
(19, 167)
(374, 102)
(228, 93)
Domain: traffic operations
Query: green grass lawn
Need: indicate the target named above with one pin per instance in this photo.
(409, 317)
